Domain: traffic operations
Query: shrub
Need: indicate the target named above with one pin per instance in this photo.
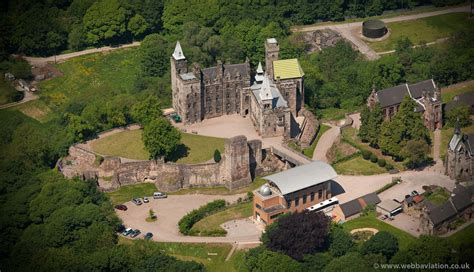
(388, 166)
(366, 154)
(188, 221)
(217, 156)
(381, 163)
(98, 160)
(341, 242)
(381, 243)
(249, 196)
(373, 158)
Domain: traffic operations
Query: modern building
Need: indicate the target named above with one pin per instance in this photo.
(389, 207)
(460, 156)
(272, 99)
(425, 93)
(293, 190)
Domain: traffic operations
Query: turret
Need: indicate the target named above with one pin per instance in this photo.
(259, 76)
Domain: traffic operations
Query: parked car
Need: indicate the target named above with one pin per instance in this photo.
(137, 201)
(414, 193)
(145, 199)
(127, 232)
(157, 195)
(121, 207)
(383, 217)
(135, 233)
(148, 236)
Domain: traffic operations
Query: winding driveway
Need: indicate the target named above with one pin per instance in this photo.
(325, 143)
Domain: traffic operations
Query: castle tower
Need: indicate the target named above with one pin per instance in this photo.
(266, 95)
(179, 65)
(272, 49)
(432, 103)
(259, 75)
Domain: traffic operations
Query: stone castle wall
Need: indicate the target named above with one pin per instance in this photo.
(240, 162)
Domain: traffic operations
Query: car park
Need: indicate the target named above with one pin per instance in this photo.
(137, 201)
(127, 232)
(145, 199)
(121, 207)
(148, 236)
(135, 233)
(157, 195)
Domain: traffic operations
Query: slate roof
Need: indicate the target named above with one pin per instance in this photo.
(303, 176)
(268, 90)
(441, 213)
(462, 197)
(355, 206)
(394, 95)
(351, 208)
(288, 68)
(371, 198)
(233, 69)
(466, 99)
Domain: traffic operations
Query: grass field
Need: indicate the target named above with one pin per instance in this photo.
(212, 256)
(447, 134)
(427, 29)
(464, 236)
(358, 166)
(308, 152)
(36, 109)
(212, 222)
(449, 93)
(438, 197)
(370, 221)
(128, 144)
(126, 193)
(7, 91)
(92, 77)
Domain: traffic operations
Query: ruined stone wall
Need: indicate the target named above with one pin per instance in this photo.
(310, 128)
(240, 161)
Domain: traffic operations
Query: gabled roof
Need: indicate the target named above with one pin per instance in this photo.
(462, 197)
(285, 69)
(371, 198)
(442, 213)
(466, 99)
(392, 96)
(416, 89)
(265, 90)
(301, 177)
(178, 52)
(351, 208)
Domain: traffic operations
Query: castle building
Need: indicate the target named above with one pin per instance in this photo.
(293, 190)
(425, 93)
(270, 99)
(460, 156)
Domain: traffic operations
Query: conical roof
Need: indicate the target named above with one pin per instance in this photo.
(178, 52)
(259, 68)
(265, 90)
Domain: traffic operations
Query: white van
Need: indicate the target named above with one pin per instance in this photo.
(157, 195)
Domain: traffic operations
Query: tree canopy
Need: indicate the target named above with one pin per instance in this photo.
(160, 138)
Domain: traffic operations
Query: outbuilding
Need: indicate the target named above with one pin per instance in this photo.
(389, 207)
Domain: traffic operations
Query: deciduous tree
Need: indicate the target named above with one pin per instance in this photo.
(160, 138)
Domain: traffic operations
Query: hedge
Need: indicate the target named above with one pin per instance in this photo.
(188, 221)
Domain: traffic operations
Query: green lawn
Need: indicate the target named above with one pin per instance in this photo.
(446, 135)
(448, 94)
(332, 114)
(128, 144)
(427, 29)
(212, 222)
(308, 152)
(126, 193)
(438, 197)
(464, 236)
(212, 256)
(36, 109)
(92, 77)
(358, 166)
(370, 221)
(7, 91)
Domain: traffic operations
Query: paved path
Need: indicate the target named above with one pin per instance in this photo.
(29, 96)
(325, 143)
(346, 29)
(36, 61)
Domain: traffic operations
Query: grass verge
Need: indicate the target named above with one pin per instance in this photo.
(212, 222)
(358, 166)
(370, 221)
(212, 256)
(424, 30)
(308, 152)
(126, 193)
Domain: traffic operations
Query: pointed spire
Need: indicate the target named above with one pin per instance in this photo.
(265, 90)
(178, 52)
(259, 68)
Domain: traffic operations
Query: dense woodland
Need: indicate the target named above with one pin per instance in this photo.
(67, 224)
